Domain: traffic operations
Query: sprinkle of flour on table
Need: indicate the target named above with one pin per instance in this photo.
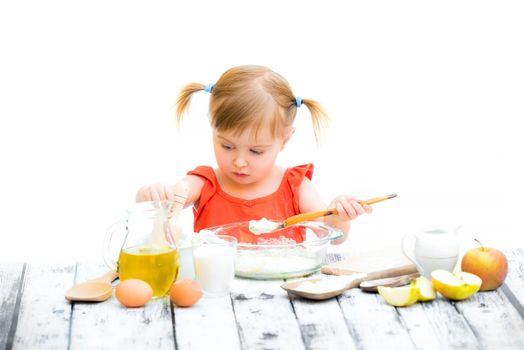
(327, 284)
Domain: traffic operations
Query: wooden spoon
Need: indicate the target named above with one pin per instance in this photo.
(322, 288)
(317, 214)
(98, 289)
(181, 191)
(342, 283)
(372, 286)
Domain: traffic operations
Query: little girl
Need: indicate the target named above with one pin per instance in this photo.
(252, 110)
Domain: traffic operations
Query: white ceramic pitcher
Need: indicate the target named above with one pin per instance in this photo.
(433, 249)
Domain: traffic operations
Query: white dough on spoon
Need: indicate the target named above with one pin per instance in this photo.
(262, 226)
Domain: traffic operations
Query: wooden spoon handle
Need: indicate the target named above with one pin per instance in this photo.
(108, 277)
(378, 199)
(372, 285)
(318, 214)
(308, 216)
(181, 191)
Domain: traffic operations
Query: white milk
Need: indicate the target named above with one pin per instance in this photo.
(215, 265)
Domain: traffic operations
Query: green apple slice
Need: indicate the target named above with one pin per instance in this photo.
(427, 291)
(400, 296)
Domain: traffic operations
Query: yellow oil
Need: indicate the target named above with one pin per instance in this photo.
(156, 264)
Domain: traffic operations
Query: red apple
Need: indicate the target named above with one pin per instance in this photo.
(489, 264)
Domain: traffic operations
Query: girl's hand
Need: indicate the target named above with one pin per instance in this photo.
(349, 207)
(155, 192)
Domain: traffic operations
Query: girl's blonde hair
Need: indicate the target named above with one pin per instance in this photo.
(252, 96)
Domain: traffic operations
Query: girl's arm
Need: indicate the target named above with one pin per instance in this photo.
(348, 208)
(161, 191)
(308, 197)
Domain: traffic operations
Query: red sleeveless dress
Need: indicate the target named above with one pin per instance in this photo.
(215, 207)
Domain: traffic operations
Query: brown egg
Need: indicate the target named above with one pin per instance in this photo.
(185, 292)
(133, 293)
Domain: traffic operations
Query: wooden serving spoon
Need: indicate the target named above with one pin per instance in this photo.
(181, 191)
(317, 214)
(98, 289)
(318, 289)
(372, 286)
(346, 282)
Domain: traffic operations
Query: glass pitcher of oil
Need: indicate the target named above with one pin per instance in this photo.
(145, 246)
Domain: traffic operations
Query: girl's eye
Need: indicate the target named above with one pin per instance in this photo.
(257, 153)
(227, 147)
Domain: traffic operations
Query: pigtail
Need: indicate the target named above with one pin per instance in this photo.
(319, 117)
(184, 98)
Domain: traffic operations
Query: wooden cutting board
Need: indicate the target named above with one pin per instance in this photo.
(386, 262)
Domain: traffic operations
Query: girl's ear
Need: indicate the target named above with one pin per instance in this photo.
(287, 137)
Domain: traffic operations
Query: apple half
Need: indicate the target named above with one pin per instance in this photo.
(455, 286)
(400, 296)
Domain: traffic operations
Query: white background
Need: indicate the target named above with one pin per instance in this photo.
(425, 100)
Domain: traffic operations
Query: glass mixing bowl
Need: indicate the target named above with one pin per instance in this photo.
(291, 252)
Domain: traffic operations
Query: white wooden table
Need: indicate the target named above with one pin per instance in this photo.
(257, 315)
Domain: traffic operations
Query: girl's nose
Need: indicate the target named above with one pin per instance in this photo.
(240, 162)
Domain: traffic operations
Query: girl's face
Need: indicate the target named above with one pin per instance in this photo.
(246, 159)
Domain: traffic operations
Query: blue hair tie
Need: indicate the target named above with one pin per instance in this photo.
(298, 101)
(209, 88)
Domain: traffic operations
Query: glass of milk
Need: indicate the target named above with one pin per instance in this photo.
(214, 258)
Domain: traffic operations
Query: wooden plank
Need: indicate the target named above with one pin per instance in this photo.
(209, 324)
(265, 316)
(322, 324)
(494, 320)
(437, 325)
(109, 325)
(43, 319)
(10, 280)
(372, 323)
(514, 285)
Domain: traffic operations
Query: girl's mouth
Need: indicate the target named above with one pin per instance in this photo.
(242, 175)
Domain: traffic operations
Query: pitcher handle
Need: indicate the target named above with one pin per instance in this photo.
(410, 258)
(108, 239)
